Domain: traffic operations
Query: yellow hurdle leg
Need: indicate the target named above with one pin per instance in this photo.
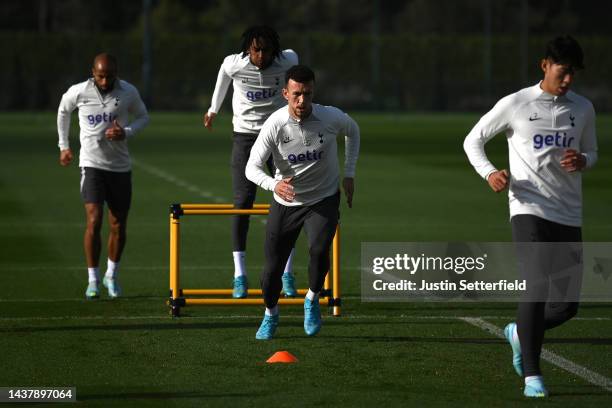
(174, 262)
(336, 270)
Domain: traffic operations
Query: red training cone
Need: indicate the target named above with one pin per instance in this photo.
(282, 357)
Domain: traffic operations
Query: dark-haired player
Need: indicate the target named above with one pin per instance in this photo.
(551, 139)
(301, 139)
(257, 74)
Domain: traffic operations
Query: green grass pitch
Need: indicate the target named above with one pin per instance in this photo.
(413, 184)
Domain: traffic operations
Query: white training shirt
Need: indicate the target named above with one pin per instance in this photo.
(257, 92)
(305, 150)
(96, 114)
(539, 128)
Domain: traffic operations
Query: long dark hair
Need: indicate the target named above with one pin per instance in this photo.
(268, 34)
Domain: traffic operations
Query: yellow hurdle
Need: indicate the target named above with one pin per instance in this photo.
(218, 292)
(181, 297)
(247, 302)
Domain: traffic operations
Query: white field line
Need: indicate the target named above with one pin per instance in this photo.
(257, 316)
(555, 359)
(164, 175)
(170, 178)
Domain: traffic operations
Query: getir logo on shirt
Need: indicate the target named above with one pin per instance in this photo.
(558, 140)
(105, 117)
(257, 95)
(303, 157)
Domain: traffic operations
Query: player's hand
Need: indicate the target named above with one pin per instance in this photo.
(208, 120)
(284, 189)
(65, 157)
(348, 183)
(115, 132)
(573, 161)
(498, 180)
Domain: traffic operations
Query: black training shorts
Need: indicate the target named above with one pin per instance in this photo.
(98, 186)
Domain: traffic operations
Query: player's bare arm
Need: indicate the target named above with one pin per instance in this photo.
(348, 183)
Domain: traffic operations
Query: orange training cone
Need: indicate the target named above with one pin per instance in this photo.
(282, 357)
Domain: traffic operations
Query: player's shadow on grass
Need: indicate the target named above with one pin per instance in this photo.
(594, 341)
(160, 395)
(412, 339)
(578, 394)
(179, 325)
(137, 327)
(578, 390)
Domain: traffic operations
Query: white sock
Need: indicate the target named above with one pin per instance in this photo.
(515, 334)
(272, 312)
(532, 377)
(289, 265)
(112, 269)
(311, 295)
(239, 263)
(93, 274)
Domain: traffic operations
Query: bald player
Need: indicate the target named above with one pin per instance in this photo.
(105, 105)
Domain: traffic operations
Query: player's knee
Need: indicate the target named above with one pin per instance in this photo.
(94, 223)
(318, 251)
(244, 200)
(117, 223)
(117, 228)
(561, 312)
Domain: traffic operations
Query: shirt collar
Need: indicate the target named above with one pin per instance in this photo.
(310, 118)
(246, 61)
(116, 86)
(542, 95)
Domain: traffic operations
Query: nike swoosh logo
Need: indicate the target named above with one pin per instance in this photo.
(532, 119)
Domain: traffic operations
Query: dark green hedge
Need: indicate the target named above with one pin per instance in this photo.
(412, 73)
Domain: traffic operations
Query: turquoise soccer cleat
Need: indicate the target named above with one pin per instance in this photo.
(517, 357)
(289, 285)
(114, 290)
(241, 287)
(268, 328)
(535, 389)
(92, 291)
(312, 317)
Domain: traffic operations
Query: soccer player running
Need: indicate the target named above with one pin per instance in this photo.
(301, 138)
(257, 74)
(551, 140)
(105, 104)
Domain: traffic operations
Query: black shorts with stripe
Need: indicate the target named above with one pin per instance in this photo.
(114, 188)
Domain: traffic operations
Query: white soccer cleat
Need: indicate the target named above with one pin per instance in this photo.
(114, 290)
